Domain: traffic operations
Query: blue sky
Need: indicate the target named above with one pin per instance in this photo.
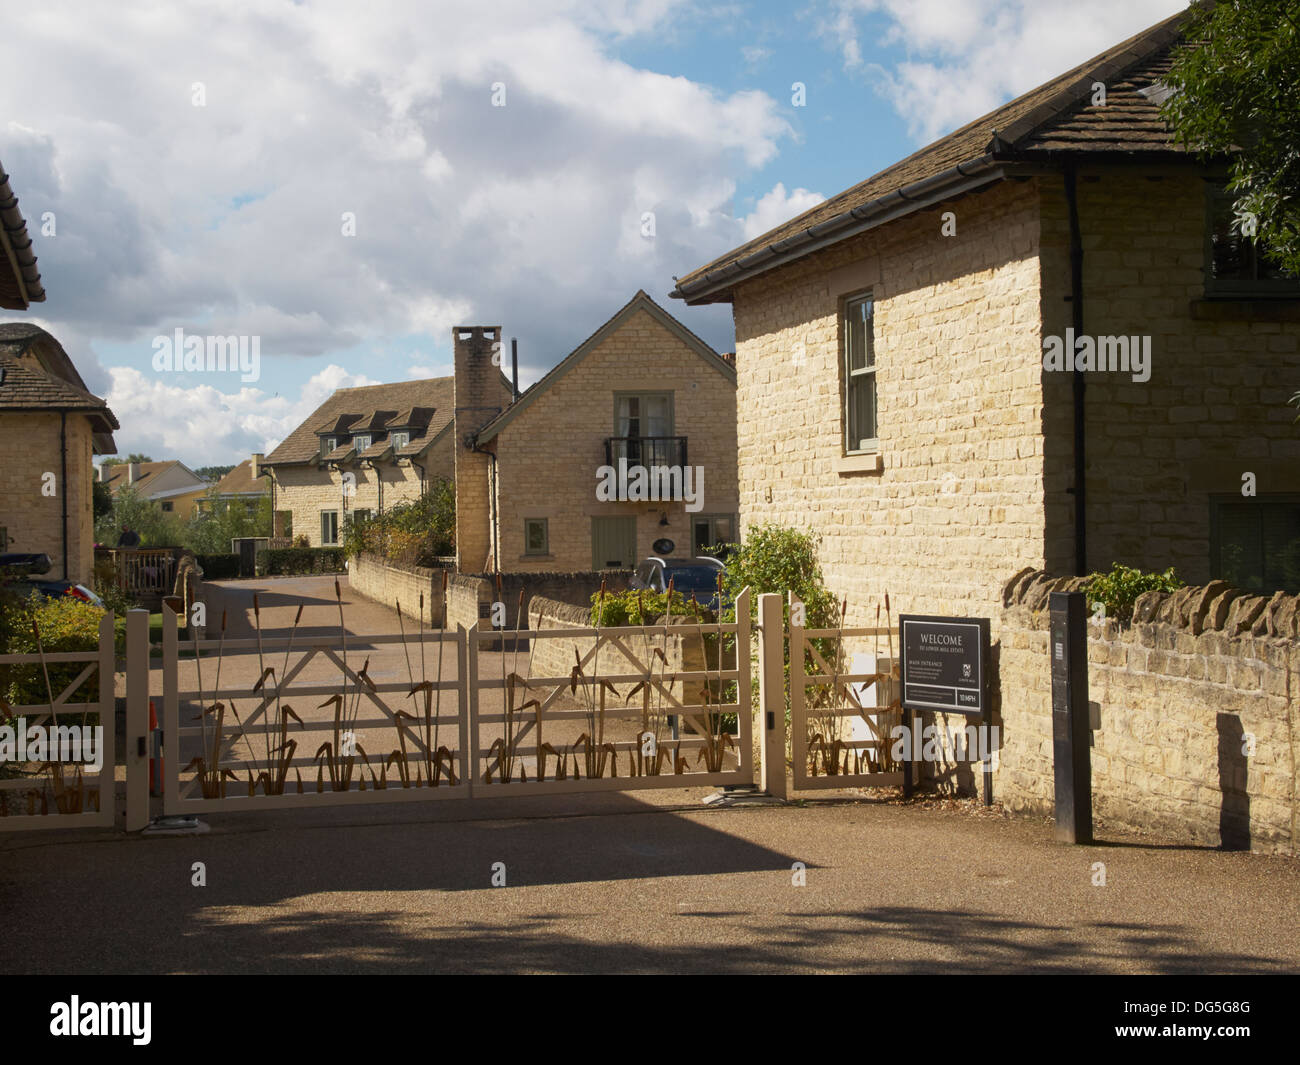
(199, 162)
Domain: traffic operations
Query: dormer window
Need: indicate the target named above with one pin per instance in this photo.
(400, 438)
(361, 441)
(328, 444)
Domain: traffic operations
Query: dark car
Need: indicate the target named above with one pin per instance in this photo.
(24, 574)
(690, 576)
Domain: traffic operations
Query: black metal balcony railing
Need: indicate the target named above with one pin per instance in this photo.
(646, 450)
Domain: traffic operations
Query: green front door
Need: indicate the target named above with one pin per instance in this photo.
(613, 543)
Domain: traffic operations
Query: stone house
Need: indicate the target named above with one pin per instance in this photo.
(362, 450)
(172, 485)
(50, 424)
(900, 367)
(575, 475)
(50, 429)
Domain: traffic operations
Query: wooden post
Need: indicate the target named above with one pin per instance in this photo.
(137, 720)
(171, 715)
(771, 672)
(107, 781)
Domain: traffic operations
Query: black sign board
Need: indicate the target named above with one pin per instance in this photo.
(945, 664)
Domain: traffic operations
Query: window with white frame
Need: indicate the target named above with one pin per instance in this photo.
(859, 393)
(329, 527)
(400, 438)
(361, 441)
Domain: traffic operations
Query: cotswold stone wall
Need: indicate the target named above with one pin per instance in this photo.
(29, 447)
(398, 587)
(470, 596)
(1196, 714)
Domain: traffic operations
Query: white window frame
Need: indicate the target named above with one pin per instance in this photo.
(337, 528)
(856, 378)
(400, 438)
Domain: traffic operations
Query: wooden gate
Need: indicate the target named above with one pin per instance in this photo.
(842, 723)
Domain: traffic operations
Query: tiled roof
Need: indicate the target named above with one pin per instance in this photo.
(20, 281)
(1056, 117)
(241, 482)
(36, 374)
(148, 472)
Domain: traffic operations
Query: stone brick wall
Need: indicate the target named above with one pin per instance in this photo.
(308, 490)
(1215, 406)
(1197, 719)
(958, 500)
(479, 398)
(29, 448)
(470, 596)
(549, 455)
(399, 588)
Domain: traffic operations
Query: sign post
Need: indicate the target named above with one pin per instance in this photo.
(1071, 756)
(945, 668)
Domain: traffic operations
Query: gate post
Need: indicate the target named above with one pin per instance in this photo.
(137, 720)
(771, 673)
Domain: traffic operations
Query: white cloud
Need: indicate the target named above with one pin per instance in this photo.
(776, 207)
(202, 425)
(227, 218)
(963, 58)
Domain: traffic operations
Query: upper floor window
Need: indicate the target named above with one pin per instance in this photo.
(1235, 264)
(399, 439)
(361, 441)
(643, 414)
(859, 375)
(328, 444)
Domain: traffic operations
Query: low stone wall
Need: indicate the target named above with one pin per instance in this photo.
(555, 657)
(470, 596)
(392, 585)
(1194, 714)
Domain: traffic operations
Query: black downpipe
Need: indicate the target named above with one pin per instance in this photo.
(63, 483)
(514, 369)
(1079, 384)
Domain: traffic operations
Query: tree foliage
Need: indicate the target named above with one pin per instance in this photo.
(1237, 94)
(414, 533)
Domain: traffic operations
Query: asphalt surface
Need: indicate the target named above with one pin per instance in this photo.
(628, 886)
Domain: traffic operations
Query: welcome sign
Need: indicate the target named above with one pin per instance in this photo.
(944, 664)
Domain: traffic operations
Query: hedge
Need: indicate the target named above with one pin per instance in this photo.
(218, 567)
(66, 624)
(288, 561)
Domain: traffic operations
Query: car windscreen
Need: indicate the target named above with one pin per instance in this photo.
(693, 578)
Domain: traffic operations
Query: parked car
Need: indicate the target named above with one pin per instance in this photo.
(26, 571)
(690, 576)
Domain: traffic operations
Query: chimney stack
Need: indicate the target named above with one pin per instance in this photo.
(478, 396)
(132, 472)
(104, 471)
(256, 464)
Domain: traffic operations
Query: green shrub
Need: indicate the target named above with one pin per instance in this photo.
(633, 607)
(66, 624)
(1118, 590)
(414, 533)
(218, 567)
(296, 561)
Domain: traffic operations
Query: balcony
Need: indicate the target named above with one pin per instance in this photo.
(646, 450)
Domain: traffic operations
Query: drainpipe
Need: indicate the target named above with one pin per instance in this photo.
(1079, 385)
(63, 483)
(492, 503)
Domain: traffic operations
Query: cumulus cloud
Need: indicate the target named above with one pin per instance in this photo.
(169, 417)
(347, 179)
(963, 58)
(776, 207)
